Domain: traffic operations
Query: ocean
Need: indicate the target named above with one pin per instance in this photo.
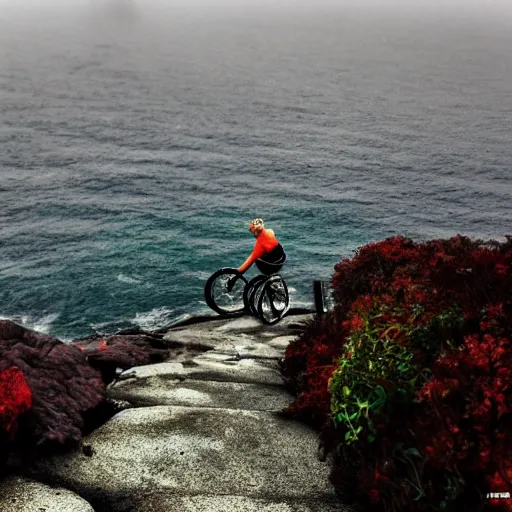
(137, 144)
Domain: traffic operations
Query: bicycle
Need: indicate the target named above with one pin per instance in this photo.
(266, 296)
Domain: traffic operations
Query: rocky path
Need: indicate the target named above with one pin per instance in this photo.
(202, 434)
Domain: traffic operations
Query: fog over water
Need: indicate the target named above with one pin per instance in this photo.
(138, 138)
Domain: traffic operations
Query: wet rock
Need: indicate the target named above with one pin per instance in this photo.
(107, 354)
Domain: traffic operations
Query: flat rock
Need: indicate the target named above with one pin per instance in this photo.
(244, 324)
(161, 390)
(249, 324)
(236, 504)
(251, 371)
(281, 342)
(21, 495)
(192, 337)
(189, 452)
(211, 366)
(250, 349)
(209, 335)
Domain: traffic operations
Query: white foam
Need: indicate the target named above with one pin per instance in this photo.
(302, 304)
(154, 319)
(127, 279)
(41, 324)
(101, 325)
(197, 274)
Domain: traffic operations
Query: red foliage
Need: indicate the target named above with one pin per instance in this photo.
(308, 364)
(15, 398)
(462, 414)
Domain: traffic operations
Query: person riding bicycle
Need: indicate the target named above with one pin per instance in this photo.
(268, 253)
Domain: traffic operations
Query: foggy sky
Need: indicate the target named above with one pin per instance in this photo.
(311, 5)
(65, 12)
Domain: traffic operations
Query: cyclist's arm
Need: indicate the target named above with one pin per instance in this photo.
(257, 253)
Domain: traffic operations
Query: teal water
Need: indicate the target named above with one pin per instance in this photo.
(133, 153)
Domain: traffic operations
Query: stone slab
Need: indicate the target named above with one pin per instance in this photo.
(153, 391)
(171, 503)
(210, 335)
(224, 368)
(250, 349)
(281, 342)
(187, 451)
(18, 494)
(257, 371)
(250, 324)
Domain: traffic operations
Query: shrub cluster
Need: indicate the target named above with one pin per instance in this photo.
(410, 375)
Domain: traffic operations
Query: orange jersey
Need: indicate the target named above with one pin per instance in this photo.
(265, 242)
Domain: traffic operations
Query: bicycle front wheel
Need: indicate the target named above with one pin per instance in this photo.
(273, 301)
(224, 291)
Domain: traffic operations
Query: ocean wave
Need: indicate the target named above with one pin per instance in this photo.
(41, 324)
(127, 279)
(302, 304)
(154, 319)
(197, 274)
(100, 326)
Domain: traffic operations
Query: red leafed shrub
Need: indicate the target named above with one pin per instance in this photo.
(410, 375)
(15, 398)
(308, 364)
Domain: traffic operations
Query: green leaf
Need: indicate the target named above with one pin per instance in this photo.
(346, 391)
(340, 417)
(348, 435)
(371, 438)
(413, 451)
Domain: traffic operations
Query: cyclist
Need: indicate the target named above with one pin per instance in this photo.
(268, 253)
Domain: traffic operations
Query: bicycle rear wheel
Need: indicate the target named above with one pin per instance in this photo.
(249, 292)
(222, 298)
(273, 301)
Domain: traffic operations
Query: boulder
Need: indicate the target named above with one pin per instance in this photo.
(107, 354)
(63, 386)
(18, 494)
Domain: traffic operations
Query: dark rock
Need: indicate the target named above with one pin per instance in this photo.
(63, 386)
(109, 353)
